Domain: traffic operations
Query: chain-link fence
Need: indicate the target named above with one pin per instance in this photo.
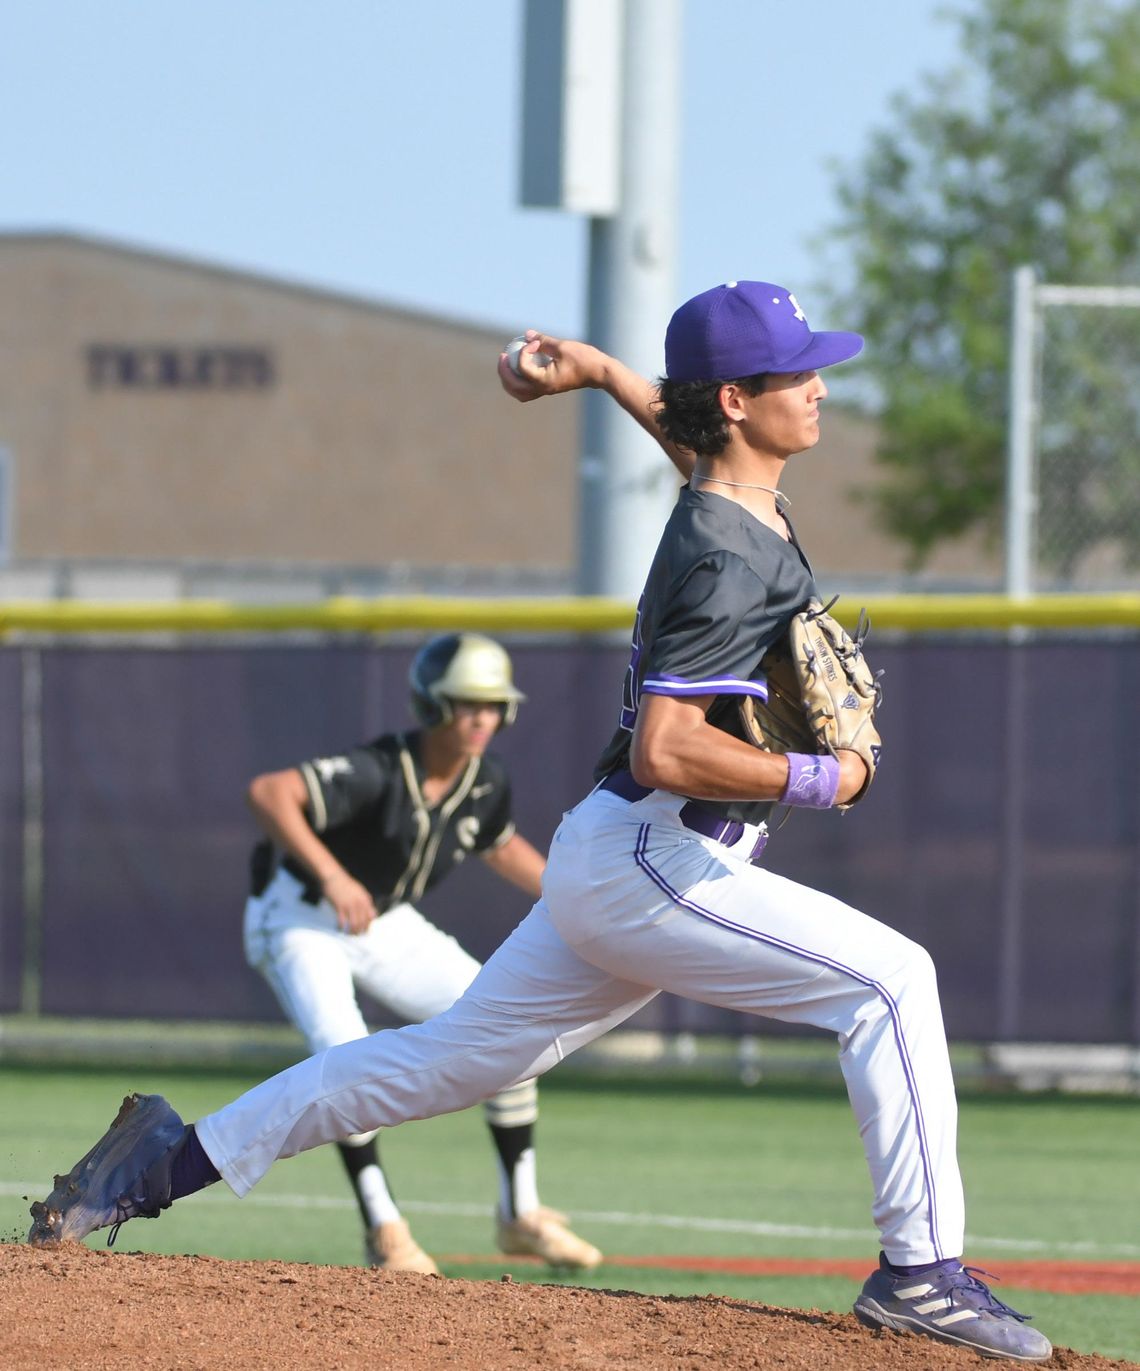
(1074, 507)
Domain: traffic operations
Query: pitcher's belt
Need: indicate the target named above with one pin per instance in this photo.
(694, 816)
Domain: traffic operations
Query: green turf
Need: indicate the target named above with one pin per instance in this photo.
(770, 1171)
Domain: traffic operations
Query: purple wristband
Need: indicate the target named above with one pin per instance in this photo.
(813, 781)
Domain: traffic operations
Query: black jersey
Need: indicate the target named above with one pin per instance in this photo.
(368, 807)
(721, 590)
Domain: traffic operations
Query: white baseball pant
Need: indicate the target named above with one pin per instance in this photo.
(633, 902)
(402, 960)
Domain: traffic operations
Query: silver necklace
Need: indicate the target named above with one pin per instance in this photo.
(782, 501)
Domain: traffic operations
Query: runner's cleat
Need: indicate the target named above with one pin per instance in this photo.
(391, 1247)
(544, 1233)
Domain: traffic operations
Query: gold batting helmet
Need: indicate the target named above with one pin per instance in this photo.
(461, 666)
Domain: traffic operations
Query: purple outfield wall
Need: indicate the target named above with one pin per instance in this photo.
(11, 833)
(1009, 851)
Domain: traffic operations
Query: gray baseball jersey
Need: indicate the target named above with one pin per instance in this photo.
(721, 590)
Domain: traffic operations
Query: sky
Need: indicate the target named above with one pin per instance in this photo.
(372, 146)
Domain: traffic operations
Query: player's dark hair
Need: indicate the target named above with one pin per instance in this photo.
(688, 413)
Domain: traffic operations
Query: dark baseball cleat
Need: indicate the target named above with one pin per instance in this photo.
(950, 1305)
(126, 1175)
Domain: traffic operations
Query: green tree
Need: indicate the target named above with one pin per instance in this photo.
(1028, 153)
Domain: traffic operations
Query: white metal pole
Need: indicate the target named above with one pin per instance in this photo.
(627, 485)
(1019, 521)
(1019, 509)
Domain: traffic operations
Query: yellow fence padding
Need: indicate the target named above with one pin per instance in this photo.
(585, 614)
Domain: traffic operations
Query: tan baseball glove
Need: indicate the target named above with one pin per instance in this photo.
(822, 695)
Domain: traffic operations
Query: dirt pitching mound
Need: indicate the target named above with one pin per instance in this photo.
(81, 1309)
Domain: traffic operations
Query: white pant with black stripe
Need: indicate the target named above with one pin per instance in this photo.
(634, 903)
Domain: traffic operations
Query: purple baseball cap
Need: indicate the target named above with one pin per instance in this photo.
(744, 328)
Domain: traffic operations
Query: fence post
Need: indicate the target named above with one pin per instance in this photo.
(32, 738)
(1010, 944)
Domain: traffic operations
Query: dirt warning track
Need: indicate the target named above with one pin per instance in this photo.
(1059, 1277)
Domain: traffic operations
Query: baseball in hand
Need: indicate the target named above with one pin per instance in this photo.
(515, 346)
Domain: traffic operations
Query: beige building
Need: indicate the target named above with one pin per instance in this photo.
(169, 428)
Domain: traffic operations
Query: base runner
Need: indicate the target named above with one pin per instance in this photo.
(353, 842)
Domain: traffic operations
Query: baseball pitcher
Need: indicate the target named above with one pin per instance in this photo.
(657, 879)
